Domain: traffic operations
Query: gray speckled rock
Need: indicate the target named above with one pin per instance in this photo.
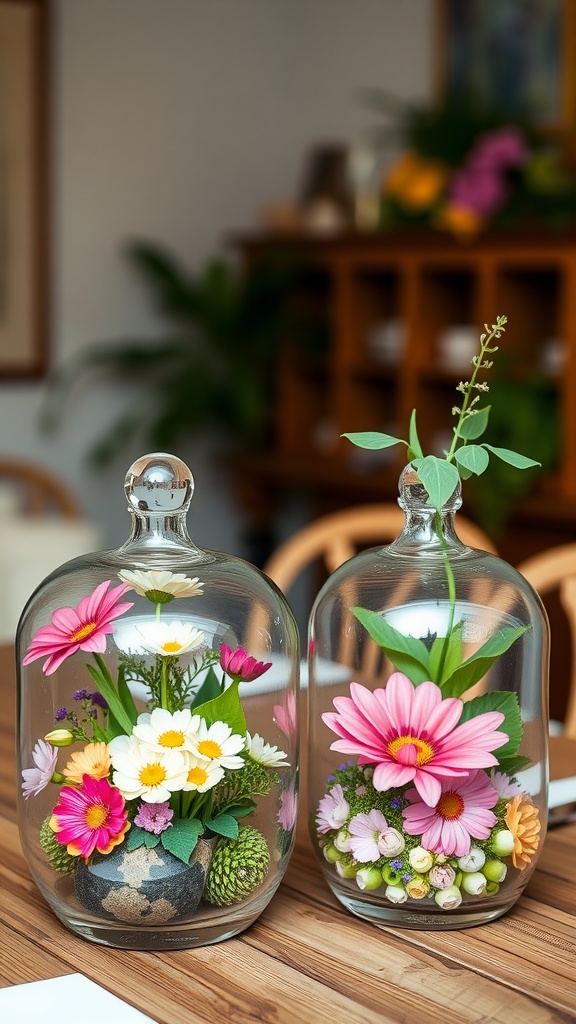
(146, 886)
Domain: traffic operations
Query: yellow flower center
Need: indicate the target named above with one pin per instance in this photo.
(83, 632)
(152, 774)
(171, 738)
(197, 776)
(424, 751)
(209, 748)
(171, 647)
(95, 815)
(450, 805)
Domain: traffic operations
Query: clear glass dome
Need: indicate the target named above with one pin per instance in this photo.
(158, 731)
(428, 726)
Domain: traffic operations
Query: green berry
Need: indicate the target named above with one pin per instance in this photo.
(238, 867)
(57, 854)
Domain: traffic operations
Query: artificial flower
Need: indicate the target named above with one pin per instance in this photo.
(60, 738)
(503, 784)
(391, 843)
(286, 715)
(94, 761)
(523, 822)
(365, 832)
(411, 734)
(218, 743)
(170, 639)
(155, 818)
(142, 772)
(396, 893)
(474, 860)
(240, 666)
(289, 809)
(333, 810)
(420, 859)
(462, 811)
(264, 753)
(160, 585)
(474, 883)
(417, 887)
(368, 878)
(495, 870)
(164, 730)
(442, 876)
(34, 780)
(342, 841)
(91, 818)
(448, 899)
(83, 628)
(201, 775)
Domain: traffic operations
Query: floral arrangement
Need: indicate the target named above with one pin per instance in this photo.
(431, 806)
(183, 769)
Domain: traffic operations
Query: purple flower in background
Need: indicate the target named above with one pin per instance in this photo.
(61, 714)
(484, 191)
(34, 780)
(504, 147)
(81, 695)
(98, 700)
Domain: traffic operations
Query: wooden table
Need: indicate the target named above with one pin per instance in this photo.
(307, 960)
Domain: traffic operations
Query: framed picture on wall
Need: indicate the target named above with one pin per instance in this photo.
(23, 255)
(514, 56)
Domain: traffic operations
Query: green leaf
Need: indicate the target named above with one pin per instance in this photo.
(211, 688)
(512, 765)
(181, 838)
(373, 440)
(135, 838)
(439, 477)
(407, 653)
(507, 703)
(414, 446)
(447, 648)
(241, 810)
(226, 707)
(223, 825)
(475, 667)
(126, 697)
(512, 458)
(473, 457)
(106, 688)
(475, 425)
(150, 840)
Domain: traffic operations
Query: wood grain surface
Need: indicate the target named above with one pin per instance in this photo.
(307, 960)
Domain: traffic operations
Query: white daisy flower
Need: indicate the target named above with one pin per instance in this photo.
(170, 639)
(264, 753)
(162, 730)
(202, 775)
(142, 772)
(160, 585)
(218, 743)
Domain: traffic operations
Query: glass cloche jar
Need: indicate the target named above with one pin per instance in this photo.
(158, 735)
(428, 726)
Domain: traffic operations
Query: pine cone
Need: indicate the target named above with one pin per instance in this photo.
(57, 854)
(238, 867)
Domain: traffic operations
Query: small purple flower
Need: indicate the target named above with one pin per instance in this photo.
(397, 803)
(396, 864)
(61, 714)
(407, 876)
(98, 700)
(154, 817)
(81, 695)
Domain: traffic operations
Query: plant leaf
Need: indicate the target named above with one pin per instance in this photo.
(373, 440)
(126, 697)
(475, 667)
(241, 810)
(224, 825)
(181, 838)
(150, 840)
(511, 765)
(475, 425)
(414, 446)
(507, 703)
(407, 653)
(135, 838)
(449, 648)
(440, 478)
(512, 458)
(226, 707)
(473, 457)
(112, 699)
(211, 688)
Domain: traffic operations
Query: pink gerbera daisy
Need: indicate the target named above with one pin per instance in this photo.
(241, 665)
(91, 818)
(463, 810)
(82, 628)
(411, 734)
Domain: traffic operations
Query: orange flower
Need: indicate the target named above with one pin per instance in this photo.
(524, 824)
(94, 761)
(416, 182)
(460, 220)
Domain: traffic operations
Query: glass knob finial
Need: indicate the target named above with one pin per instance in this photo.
(159, 483)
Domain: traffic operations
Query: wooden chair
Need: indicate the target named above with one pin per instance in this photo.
(555, 570)
(336, 537)
(38, 492)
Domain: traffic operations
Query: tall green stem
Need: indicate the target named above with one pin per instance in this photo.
(451, 591)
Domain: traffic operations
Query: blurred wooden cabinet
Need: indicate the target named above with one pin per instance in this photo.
(401, 311)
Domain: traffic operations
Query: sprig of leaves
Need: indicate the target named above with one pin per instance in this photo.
(464, 458)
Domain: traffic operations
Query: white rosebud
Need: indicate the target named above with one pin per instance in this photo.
(495, 870)
(503, 843)
(474, 883)
(442, 876)
(420, 859)
(59, 738)
(396, 894)
(449, 899)
(391, 842)
(368, 878)
(342, 842)
(472, 861)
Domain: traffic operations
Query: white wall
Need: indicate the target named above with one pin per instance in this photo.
(177, 121)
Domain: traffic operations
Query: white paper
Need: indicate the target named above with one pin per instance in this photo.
(49, 1002)
(562, 791)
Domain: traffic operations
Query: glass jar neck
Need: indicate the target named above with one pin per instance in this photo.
(165, 535)
(426, 526)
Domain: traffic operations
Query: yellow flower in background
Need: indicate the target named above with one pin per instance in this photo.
(522, 820)
(94, 761)
(416, 182)
(460, 220)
